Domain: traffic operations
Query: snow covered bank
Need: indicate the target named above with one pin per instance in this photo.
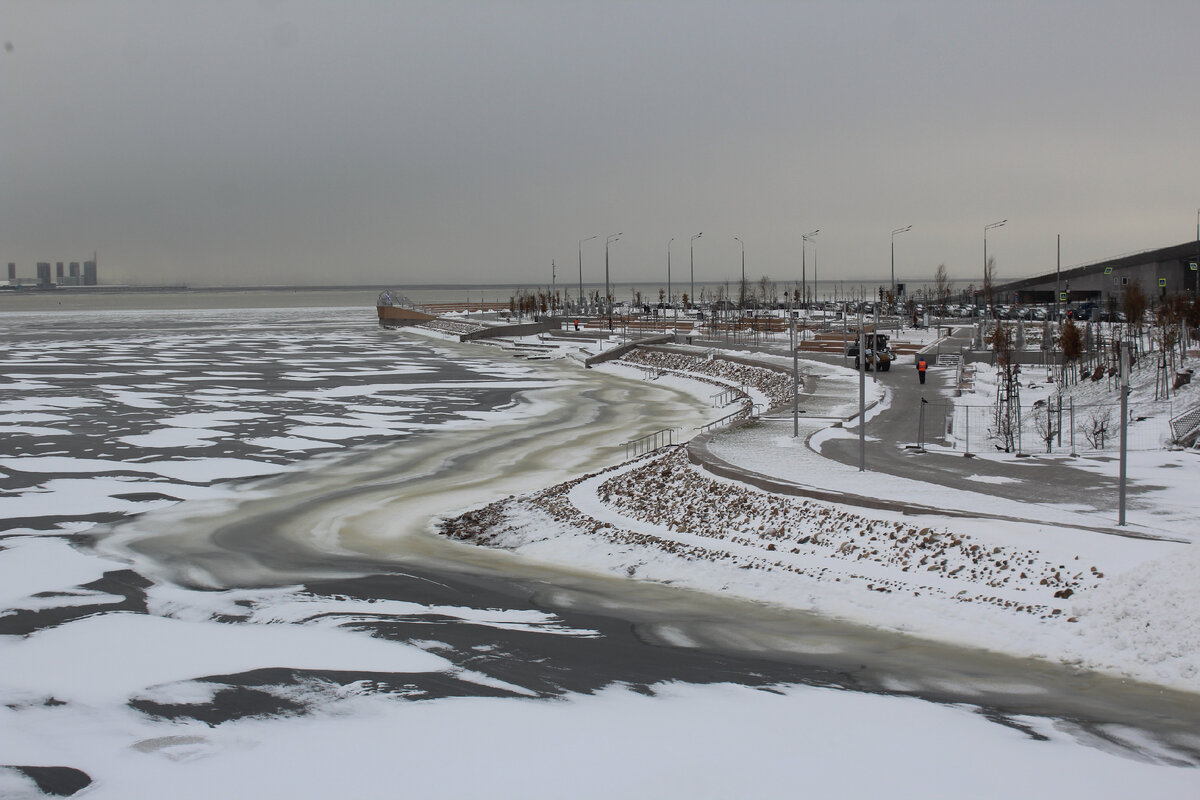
(1005, 586)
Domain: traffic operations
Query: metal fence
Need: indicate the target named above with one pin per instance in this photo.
(1047, 427)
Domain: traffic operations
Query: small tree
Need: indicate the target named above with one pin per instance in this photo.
(1008, 398)
(1134, 304)
(766, 289)
(1168, 320)
(1096, 427)
(1044, 423)
(1071, 343)
(941, 288)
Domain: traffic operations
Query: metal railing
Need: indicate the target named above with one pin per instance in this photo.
(650, 442)
(727, 396)
(1185, 424)
(747, 411)
(651, 373)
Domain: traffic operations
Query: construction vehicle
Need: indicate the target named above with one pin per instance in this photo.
(879, 355)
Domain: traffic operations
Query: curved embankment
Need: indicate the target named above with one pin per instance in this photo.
(990, 582)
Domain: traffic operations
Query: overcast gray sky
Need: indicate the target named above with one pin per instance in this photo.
(473, 142)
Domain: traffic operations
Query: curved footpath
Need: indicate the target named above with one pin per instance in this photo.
(701, 454)
(1028, 489)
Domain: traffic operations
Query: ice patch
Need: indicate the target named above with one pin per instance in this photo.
(109, 658)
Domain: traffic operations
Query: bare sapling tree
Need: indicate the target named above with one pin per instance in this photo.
(941, 288)
(1045, 423)
(1008, 393)
(1166, 335)
(766, 290)
(1095, 428)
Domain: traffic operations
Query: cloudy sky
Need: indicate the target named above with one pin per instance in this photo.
(475, 142)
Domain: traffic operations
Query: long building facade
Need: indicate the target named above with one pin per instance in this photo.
(1167, 270)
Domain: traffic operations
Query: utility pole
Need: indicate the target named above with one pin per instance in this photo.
(862, 397)
(898, 230)
(670, 299)
(804, 240)
(607, 291)
(1124, 425)
(1057, 272)
(795, 375)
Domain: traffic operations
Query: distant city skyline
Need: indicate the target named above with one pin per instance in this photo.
(314, 142)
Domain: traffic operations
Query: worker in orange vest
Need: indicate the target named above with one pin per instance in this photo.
(921, 366)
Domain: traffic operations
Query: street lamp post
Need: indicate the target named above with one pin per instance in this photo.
(898, 230)
(607, 294)
(986, 281)
(804, 240)
(692, 264)
(743, 292)
(581, 241)
(670, 299)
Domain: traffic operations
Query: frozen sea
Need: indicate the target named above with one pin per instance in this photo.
(219, 578)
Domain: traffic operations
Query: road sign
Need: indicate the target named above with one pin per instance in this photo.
(1162, 282)
(1194, 266)
(1062, 296)
(1108, 270)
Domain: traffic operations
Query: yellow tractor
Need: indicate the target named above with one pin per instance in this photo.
(879, 356)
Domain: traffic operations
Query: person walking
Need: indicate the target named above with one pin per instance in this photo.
(921, 367)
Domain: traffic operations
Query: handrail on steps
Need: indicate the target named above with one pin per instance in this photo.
(749, 410)
(651, 442)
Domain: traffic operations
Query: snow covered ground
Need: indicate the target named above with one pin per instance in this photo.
(363, 678)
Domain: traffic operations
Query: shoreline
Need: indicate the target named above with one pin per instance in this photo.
(1070, 628)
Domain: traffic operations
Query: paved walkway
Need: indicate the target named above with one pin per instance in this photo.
(1050, 480)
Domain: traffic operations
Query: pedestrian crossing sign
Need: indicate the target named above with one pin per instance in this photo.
(1162, 282)
(1193, 266)
(1108, 270)
(1062, 296)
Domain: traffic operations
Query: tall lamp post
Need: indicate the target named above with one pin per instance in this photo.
(607, 294)
(898, 230)
(581, 241)
(670, 299)
(804, 268)
(987, 228)
(692, 264)
(743, 292)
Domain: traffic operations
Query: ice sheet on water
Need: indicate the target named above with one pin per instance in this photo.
(128, 653)
(199, 470)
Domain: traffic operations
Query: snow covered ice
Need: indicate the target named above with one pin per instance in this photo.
(218, 567)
